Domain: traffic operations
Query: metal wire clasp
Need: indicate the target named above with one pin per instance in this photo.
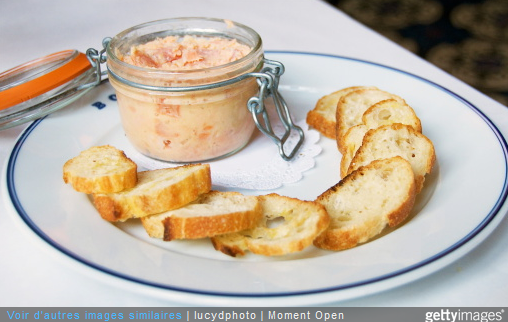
(97, 58)
(268, 80)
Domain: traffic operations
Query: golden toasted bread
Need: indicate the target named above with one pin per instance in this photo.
(366, 201)
(397, 140)
(213, 213)
(382, 113)
(289, 225)
(322, 116)
(351, 107)
(100, 169)
(156, 191)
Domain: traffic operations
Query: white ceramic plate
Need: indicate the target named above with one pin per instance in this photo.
(463, 201)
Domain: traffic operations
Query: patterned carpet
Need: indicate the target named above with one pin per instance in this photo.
(468, 38)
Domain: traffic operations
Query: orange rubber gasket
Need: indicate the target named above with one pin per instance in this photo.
(40, 85)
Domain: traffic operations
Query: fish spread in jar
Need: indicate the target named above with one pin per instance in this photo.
(187, 126)
(188, 52)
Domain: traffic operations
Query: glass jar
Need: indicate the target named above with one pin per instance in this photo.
(179, 115)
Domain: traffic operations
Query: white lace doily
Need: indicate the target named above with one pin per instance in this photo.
(258, 166)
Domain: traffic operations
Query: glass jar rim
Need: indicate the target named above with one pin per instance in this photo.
(120, 36)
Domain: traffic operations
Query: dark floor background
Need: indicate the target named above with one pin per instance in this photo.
(467, 38)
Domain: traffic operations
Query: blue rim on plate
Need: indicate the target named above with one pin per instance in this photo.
(493, 213)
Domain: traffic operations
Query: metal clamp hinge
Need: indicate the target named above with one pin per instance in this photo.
(97, 58)
(268, 80)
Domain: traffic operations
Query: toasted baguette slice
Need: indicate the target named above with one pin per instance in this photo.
(397, 139)
(100, 169)
(301, 222)
(322, 117)
(211, 214)
(369, 199)
(351, 107)
(391, 111)
(157, 191)
(382, 113)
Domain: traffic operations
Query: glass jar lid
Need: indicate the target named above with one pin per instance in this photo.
(42, 86)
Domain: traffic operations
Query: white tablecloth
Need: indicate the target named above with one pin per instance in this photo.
(34, 276)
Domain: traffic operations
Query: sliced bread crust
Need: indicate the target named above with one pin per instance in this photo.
(397, 140)
(322, 116)
(366, 201)
(382, 113)
(301, 222)
(157, 191)
(391, 111)
(213, 213)
(100, 169)
(351, 107)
